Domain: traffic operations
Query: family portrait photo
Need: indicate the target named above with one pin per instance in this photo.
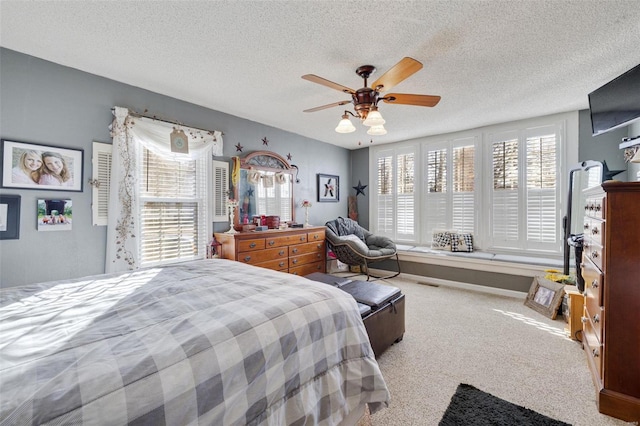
(55, 215)
(34, 166)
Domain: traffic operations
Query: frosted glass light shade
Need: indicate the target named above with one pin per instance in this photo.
(377, 130)
(345, 126)
(374, 118)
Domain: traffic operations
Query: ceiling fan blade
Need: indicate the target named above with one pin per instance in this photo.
(315, 79)
(397, 73)
(409, 99)
(327, 106)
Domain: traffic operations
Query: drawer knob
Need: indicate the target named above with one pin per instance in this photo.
(586, 226)
(315, 237)
(252, 245)
(595, 231)
(598, 207)
(271, 242)
(594, 254)
(281, 264)
(594, 284)
(295, 261)
(596, 318)
(584, 320)
(247, 258)
(302, 238)
(295, 250)
(281, 253)
(595, 352)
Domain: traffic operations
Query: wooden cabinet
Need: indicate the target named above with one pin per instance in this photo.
(611, 271)
(299, 251)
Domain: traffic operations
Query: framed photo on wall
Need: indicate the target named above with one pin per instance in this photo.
(9, 217)
(328, 188)
(34, 166)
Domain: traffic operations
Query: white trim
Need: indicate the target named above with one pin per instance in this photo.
(419, 279)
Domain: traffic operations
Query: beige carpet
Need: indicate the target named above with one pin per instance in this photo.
(494, 343)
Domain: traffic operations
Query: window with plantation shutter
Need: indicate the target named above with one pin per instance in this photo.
(449, 194)
(394, 195)
(220, 189)
(541, 195)
(101, 162)
(505, 200)
(173, 208)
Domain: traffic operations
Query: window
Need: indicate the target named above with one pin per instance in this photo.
(502, 186)
(525, 192)
(394, 197)
(173, 208)
(449, 194)
(220, 189)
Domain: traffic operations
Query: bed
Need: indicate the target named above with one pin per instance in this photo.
(205, 342)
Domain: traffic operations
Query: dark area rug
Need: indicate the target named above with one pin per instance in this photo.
(472, 407)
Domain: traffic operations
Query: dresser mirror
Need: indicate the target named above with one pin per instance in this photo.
(582, 176)
(264, 186)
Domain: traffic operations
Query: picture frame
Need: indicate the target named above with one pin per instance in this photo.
(58, 169)
(328, 188)
(9, 217)
(54, 215)
(545, 296)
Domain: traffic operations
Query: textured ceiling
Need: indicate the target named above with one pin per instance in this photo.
(491, 61)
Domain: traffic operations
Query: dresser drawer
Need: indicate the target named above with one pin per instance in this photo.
(593, 347)
(594, 252)
(594, 230)
(308, 268)
(306, 248)
(596, 319)
(594, 207)
(593, 281)
(315, 236)
(277, 264)
(249, 245)
(286, 240)
(303, 259)
(254, 257)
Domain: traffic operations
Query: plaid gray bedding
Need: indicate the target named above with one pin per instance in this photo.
(210, 342)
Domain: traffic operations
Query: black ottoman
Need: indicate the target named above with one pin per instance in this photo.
(384, 318)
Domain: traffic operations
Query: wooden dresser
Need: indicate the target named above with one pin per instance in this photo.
(299, 251)
(611, 271)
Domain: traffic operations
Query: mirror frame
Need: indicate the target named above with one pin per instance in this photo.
(267, 161)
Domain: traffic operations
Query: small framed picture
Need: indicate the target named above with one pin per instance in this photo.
(328, 188)
(35, 166)
(9, 217)
(55, 215)
(545, 296)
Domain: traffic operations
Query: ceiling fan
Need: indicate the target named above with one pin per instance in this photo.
(365, 100)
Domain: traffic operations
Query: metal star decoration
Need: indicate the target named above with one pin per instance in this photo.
(239, 147)
(360, 188)
(609, 174)
(289, 156)
(265, 141)
(250, 192)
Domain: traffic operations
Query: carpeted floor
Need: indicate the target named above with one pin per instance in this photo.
(472, 407)
(491, 342)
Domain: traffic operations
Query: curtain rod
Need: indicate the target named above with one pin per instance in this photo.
(153, 117)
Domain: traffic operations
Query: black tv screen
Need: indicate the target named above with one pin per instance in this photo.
(617, 103)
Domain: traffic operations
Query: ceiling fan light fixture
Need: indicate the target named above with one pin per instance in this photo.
(345, 125)
(378, 130)
(374, 118)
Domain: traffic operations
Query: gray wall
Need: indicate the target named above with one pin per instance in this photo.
(603, 147)
(46, 103)
(360, 174)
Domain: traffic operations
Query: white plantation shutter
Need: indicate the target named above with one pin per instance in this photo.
(436, 197)
(220, 188)
(463, 186)
(449, 193)
(542, 206)
(405, 215)
(504, 193)
(173, 206)
(384, 194)
(101, 161)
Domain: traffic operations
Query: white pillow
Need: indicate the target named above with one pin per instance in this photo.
(442, 239)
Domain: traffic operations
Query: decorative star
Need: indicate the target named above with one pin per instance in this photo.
(265, 141)
(249, 192)
(289, 156)
(239, 147)
(360, 189)
(609, 174)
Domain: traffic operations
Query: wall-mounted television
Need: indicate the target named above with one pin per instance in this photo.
(617, 103)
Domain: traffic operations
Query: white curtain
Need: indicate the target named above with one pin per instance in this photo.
(130, 133)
